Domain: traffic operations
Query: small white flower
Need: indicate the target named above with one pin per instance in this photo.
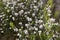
(0, 28)
(10, 28)
(16, 14)
(40, 21)
(56, 23)
(49, 11)
(18, 34)
(34, 32)
(26, 0)
(20, 23)
(41, 16)
(31, 6)
(5, 24)
(35, 1)
(1, 19)
(52, 20)
(2, 31)
(31, 28)
(12, 8)
(14, 2)
(28, 12)
(35, 28)
(26, 25)
(4, 0)
(29, 19)
(0, 16)
(33, 14)
(35, 7)
(47, 33)
(36, 21)
(8, 10)
(39, 32)
(16, 29)
(18, 0)
(54, 35)
(13, 18)
(6, 19)
(10, 16)
(49, 14)
(20, 12)
(41, 26)
(25, 31)
(3, 15)
(25, 13)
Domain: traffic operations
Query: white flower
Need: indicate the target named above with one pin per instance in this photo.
(16, 14)
(52, 20)
(0, 16)
(13, 18)
(1, 19)
(8, 10)
(2, 31)
(10, 28)
(49, 14)
(18, 34)
(12, 8)
(47, 33)
(31, 28)
(16, 29)
(41, 26)
(35, 7)
(0, 28)
(25, 12)
(20, 12)
(35, 28)
(4, 0)
(35, 1)
(40, 21)
(10, 16)
(18, 0)
(6, 19)
(14, 2)
(25, 31)
(41, 4)
(29, 19)
(33, 14)
(31, 6)
(20, 23)
(3, 15)
(36, 21)
(34, 32)
(26, 0)
(28, 12)
(56, 23)
(54, 35)
(41, 16)
(5, 24)
(49, 11)
(26, 25)
(39, 32)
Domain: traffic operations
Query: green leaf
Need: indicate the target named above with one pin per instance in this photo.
(11, 24)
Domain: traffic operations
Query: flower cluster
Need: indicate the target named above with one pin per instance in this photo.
(26, 17)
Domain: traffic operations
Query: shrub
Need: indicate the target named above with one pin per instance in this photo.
(30, 19)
